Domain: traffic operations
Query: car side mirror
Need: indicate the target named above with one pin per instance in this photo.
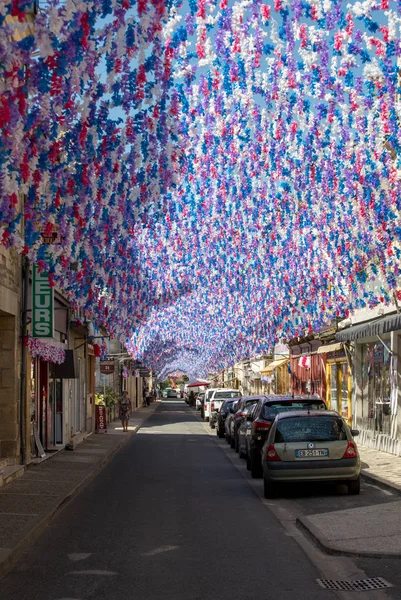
(354, 432)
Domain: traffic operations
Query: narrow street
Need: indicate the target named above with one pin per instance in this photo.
(170, 517)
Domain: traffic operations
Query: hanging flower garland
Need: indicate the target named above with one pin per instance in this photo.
(218, 178)
(41, 349)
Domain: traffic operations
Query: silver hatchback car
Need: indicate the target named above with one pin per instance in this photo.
(310, 446)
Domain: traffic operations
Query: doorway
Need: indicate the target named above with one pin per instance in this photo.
(56, 409)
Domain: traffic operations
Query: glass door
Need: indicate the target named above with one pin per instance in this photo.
(56, 410)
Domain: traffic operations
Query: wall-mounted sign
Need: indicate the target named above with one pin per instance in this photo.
(42, 305)
(107, 367)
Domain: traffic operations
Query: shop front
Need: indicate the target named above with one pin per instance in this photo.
(276, 377)
(308, 370)
(376, 347)
(338, 379)
(46, 409)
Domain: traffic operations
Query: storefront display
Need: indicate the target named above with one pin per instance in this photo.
(376, 388)
(339, 386)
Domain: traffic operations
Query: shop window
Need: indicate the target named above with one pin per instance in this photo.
(376, 388)
(344, 390)
(334, 388)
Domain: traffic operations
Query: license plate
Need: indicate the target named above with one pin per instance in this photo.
(311, 453)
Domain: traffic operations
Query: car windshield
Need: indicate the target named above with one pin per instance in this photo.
(271, 410)
(310, 429)
(226, 395)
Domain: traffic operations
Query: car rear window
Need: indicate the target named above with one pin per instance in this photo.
(226, 395)
(271, 410)
(227, 404)
(310, 429)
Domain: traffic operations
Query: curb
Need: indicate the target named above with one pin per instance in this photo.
(383, 483)
(334, 549)
(15, 553)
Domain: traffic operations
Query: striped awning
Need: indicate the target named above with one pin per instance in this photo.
(370, 329)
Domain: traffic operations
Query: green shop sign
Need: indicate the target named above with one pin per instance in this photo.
(42, 305)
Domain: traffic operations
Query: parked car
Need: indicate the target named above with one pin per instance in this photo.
(204, 400)
(172, 393)
(198, 401)
(165, 392)
(263, 418)
(244, 429)
(242, 407)
(215, 398)
(227, 424)
(310, 446)
(222, 415)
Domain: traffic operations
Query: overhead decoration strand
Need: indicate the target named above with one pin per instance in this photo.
(220, 175)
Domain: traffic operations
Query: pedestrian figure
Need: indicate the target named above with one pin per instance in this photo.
(124, 410)
(147, 397)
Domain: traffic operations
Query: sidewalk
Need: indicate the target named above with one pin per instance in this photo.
(28, 504)
(372, 531)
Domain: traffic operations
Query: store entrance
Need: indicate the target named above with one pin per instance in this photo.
(56, 416)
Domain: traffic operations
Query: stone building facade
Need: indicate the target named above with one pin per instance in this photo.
(10, 353)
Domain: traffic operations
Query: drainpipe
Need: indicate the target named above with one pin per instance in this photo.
(25, 286)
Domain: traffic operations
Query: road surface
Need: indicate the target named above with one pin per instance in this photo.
(170, 518)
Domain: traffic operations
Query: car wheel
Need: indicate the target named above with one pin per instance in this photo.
(212, 425)
(248, 463)
(269, 489)
(232, 442)
(354, 487)
(256, 469)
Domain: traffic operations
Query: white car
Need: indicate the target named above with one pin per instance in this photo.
(199, 399)
(215, 398)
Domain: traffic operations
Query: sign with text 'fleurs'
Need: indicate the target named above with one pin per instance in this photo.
(42, 305)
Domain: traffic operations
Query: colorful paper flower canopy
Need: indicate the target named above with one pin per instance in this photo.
(219, 176)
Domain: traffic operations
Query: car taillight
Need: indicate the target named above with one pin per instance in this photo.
(260, 425)
(350, 451)
(271, 453)
(240, 415)
(212, 407)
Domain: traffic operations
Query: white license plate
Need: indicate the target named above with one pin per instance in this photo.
(311, 453)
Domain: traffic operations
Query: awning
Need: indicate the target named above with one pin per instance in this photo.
(329, 348)
(198, 383)
(370, 329)
(278, 362)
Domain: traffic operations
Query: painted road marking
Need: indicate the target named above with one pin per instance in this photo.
(76, 556)
(18, 514)
(93, 572)
(160, 550)
(387, 492)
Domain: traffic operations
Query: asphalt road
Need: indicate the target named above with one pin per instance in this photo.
(170, 518)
